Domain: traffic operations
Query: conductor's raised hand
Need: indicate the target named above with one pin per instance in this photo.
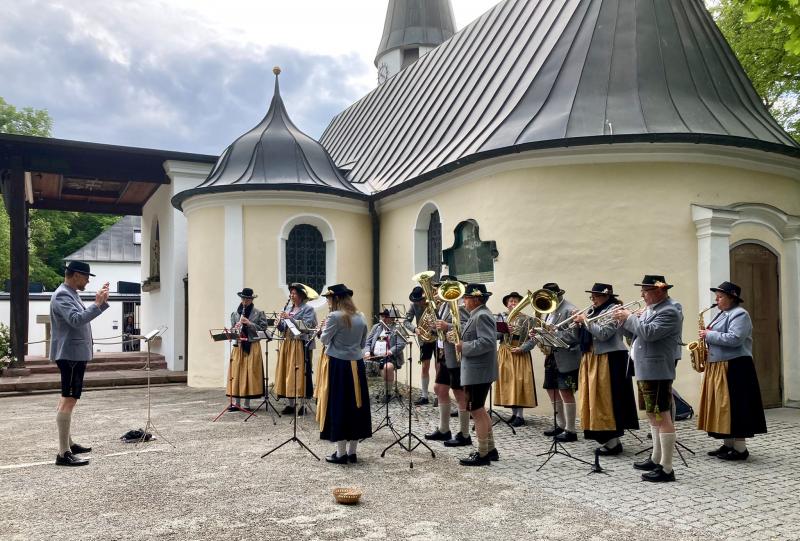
(101, 297)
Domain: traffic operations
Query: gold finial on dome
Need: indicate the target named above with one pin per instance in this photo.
(276, 70)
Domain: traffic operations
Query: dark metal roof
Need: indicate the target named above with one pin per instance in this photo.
(554, 73)
(275, 155)
(416, 22)
(115, 244)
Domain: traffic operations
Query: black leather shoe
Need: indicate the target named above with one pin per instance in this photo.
(77, 449)
(458, 441)
(475, 459)
(333, 459)
(301, 411)
(517, 421)
(658, 475)
(566, 437)
(646, 464)
(723, 449)
(606, 451)
(454, 413)
(555, 431)
(439, 436)
(493, 455)
(288, 410)
(352, 459)
(421, 401)
(233, 408)
(70, 460)
(733, 454)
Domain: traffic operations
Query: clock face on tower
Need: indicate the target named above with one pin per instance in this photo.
(383, 73)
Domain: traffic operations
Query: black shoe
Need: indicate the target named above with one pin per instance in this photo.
(77, 449)
(733, 454)
(454, 413)
(422, 401)
(609, 451)
(232, 408)
(288, 410)
(352, 459)
(723, 449)
(475, 459)
(658, 475)
(458, 441)
(301, 411)
(436, 402)
(436, 435)
(333, 459)
(646, 464)
(566, 437)
(493, 455)
(517, 421)
(70, 460)
(555, 431)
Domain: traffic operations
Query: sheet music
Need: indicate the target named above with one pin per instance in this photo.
(292, 327)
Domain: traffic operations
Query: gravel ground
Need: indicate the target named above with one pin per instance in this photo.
(213, 484)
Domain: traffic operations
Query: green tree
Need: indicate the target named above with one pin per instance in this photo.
(783, 14)
(25, 121)
(774, 71)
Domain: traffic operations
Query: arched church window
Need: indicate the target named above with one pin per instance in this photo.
(435, 243)
(305, 256)
(470, 258)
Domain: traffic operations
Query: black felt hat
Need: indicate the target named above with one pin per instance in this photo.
(246, 293)
(477, 290)
(79, 266)
(338, 290)
(513, 294)
(602, 289)
(654, 280)
(389, 312)
(417, 294)
(552, 286)
(729, 288)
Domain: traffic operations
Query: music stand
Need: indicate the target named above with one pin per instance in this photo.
(149, 425)
(230, 336)
(294, 426)
(268, 336)
(557, 448)
(410, 434)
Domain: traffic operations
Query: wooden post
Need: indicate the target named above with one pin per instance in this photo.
(18, 218)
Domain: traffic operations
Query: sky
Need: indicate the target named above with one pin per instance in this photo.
(189, 75)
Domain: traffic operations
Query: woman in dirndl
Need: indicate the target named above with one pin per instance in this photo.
(515, 387)
(294, 353)
(608, 407)
(246, 374)
(346, 416)
(730, 400)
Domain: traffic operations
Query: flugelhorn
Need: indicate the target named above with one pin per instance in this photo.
(451, 291)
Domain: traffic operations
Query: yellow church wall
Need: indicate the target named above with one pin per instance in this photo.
(205, 234)
(578, 224)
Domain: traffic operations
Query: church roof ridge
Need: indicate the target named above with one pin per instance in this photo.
(550, 73)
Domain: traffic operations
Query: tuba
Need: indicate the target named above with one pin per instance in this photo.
(451, 291)
(514, 321)
(427, 320)
(698, 350)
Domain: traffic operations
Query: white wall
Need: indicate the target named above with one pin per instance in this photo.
(165, 306)
(108, 324)
(113, 273)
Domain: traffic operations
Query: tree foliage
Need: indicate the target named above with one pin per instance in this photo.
(783, 14)
(54, 235)
(760, 48)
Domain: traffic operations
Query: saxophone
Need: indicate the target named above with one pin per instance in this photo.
(427, 320)
(698, 350)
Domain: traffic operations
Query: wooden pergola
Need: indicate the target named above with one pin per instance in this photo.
(57, 174)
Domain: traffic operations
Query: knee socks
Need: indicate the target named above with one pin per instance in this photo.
(63, 420)
(444, 416)
(667, 448)
(425, 382)
(656, 454)
(463, 421)
(569, 414)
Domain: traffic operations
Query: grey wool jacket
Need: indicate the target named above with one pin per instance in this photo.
(308, 316)
(71, 329)
(341, 341)
(479, 347)
(730, 335)
(567, 360)
(656, 335)
(396, 347)
(258, 322)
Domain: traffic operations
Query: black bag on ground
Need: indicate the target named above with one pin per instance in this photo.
(683, 410)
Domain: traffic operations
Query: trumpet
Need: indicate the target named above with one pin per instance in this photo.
(570, 321)
(606, 317)
(451, 291)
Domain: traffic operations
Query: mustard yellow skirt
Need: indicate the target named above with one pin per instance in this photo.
(515, 386)
(291, 363)
(715, 401)
(323, 389)
(246, 374)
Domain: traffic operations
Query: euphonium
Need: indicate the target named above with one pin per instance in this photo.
(698, 350)
(427, 322)
(451, 291)
(515, 323)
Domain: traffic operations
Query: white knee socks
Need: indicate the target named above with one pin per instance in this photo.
(656, 454)
(667, 448)
(444, 416)
(63, 420)
(569, 414)
(425, 383)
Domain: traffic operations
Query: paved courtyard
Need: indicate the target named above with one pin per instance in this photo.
(213, 484)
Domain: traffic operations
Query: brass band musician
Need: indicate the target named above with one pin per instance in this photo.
(294, 353)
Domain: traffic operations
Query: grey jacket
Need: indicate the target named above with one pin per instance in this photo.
(479, 348)
(308, 316)
(344, 342)
(415, 312)
(656, 334)
(258, 322)
(567, 360)
(730, 336)
(71, 329)
(607, 337)
(397, 343)
(450, 359)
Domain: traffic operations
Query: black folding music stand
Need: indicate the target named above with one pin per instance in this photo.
(557, 448)
(148, 338)
(268, 336)
(230, 336)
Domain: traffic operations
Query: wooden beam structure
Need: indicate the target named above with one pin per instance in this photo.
(14, 195)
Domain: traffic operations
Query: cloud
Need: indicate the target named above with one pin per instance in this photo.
(148, 74)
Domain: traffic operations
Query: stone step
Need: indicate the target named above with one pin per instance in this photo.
(95, 366)
(93, 379)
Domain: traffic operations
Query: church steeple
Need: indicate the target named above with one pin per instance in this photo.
(412, 28)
